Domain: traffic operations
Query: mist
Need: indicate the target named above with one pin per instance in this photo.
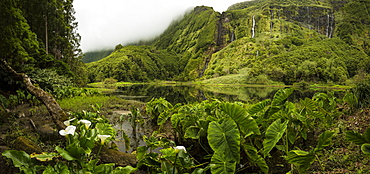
(105, 24)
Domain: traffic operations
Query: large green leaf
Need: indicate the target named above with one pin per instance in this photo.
(240, 115)
(224, 137)
(59, 168)
(124, 170)
(367, 135)
(192, 132)
(222, 164)
(19, 158)
(355, 138)
(281, 95)
(163, 117)
(64, 154)
(271, 111)
(273, 134)
(105, 129)
(104, 168)
(307, 104)
(167, 167)
(255, 158)
(44, 156)
(301, 158)
(258, 107)
(365, 148)
(324, 139)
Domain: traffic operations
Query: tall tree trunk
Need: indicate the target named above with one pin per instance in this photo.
(46, 35)
(46, 98)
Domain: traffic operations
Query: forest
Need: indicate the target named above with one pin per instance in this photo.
(53, 121)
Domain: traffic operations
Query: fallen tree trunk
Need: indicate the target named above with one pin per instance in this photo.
(46, 98)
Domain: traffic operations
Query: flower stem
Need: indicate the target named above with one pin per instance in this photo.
(99, 151)
(174, 165)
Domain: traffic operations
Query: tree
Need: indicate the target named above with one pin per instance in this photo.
(18, 43)
(54, 23)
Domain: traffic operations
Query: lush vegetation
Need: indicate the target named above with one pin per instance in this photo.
(276, 135)
(40, 35)
(93, 56)
(271, 41)
(260, 42)
(179, 50)
(135, 64)
(78, 154)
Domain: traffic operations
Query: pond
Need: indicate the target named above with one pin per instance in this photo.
(187, 94)
(194, 93)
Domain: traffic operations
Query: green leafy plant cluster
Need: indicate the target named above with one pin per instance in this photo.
(20, 98)
(50, 80)
(170, 159)
(84, 140)
(362, 140)
(225, 132)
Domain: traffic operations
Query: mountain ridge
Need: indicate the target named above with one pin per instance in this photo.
(209, 44)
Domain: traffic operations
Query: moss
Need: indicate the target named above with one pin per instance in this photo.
(117, 157)
(24, 144)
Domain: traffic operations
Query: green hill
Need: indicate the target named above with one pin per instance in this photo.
(93, 56)
(271, 40)
(135, 64)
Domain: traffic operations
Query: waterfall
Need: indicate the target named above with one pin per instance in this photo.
(309, 18)
(331, 27)
(328, 25)
(232, 36)
(253, 25)
(271, 23)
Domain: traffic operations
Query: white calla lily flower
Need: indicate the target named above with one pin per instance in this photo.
(68, 122)
(69, 130)
(86, 122)
(103, 138)
(178, 148)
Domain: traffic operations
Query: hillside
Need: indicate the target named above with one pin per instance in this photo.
(285, 41)
(135, 64)
(93, 56)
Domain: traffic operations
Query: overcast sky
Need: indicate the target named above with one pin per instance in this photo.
(107, 23)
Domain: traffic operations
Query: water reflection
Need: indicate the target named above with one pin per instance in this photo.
(195, 93)
(133, 127)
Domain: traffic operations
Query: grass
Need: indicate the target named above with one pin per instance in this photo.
(107, 103)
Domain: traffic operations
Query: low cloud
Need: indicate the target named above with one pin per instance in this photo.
(104, 24)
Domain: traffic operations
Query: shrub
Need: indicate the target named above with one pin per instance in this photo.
(110, 81)
(362, 93)
(50, 80)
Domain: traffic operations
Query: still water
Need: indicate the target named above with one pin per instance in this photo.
(194, 93)
(198, 93)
